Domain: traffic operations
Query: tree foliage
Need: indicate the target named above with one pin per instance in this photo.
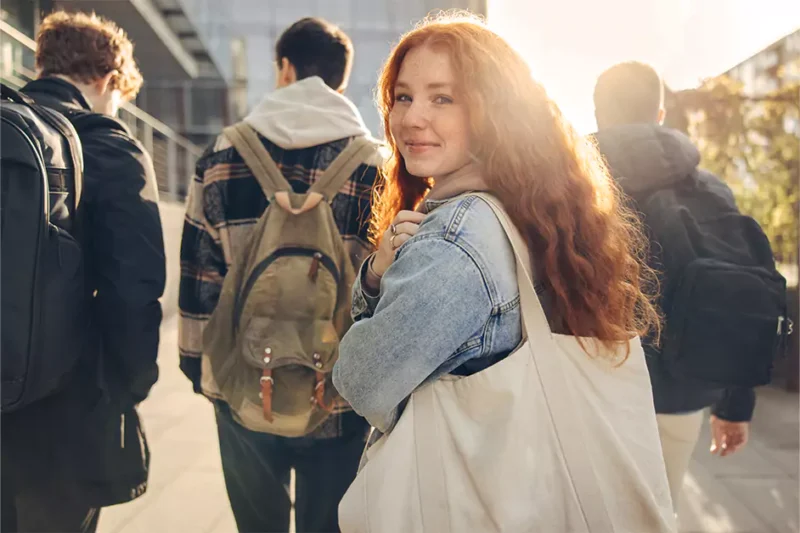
(753, 143)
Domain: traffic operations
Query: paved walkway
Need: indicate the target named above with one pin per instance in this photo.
(755, 491)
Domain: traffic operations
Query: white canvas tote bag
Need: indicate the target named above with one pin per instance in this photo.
(548, 440)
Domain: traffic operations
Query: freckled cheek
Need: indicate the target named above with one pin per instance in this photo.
(395, 122)
(449, 132)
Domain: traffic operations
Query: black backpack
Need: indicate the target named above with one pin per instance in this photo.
(44, 318)
(723, 299)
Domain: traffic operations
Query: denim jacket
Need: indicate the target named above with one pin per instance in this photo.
(449, 304)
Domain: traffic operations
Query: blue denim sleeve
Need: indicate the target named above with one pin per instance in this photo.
(433, 299)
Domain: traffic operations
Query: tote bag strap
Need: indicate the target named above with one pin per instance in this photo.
(433, 492)
(557, 392)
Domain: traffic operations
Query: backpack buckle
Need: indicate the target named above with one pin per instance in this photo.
(785, 324)
(319, 394)
(265, 394)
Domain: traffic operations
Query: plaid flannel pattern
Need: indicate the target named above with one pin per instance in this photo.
(224, 203)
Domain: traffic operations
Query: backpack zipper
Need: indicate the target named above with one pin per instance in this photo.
(318, 258)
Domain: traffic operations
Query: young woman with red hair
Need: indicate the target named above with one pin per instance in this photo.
(483, 159)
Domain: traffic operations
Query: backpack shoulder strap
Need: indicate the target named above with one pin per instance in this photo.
(257, 159)
(70, 132)
(15, 96)
(62, 123)
(338, 172)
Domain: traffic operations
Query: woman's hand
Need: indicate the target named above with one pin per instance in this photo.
(404, 226)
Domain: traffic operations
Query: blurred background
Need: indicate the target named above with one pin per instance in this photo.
(732, 70)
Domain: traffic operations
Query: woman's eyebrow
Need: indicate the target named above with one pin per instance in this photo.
(434, 85)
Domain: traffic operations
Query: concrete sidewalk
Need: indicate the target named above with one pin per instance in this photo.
(755, 491)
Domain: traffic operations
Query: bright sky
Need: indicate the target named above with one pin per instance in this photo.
(568, 43)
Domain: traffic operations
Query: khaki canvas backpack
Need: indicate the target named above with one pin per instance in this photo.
(272, 341)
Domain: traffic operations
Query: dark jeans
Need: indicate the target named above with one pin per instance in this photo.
(257, 468)
(51, 509)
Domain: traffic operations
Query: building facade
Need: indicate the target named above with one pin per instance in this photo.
(24, 15)
(206, 63)
(771, 69)
(240, 37)
(165, 49)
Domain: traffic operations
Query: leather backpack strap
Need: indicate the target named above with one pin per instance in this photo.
(340, 170)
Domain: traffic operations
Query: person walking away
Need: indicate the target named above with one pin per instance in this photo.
(495, 347)
(277, 217)
(81, 447)
(723, 300)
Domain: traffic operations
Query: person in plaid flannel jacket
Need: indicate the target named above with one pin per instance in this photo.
(304, 125)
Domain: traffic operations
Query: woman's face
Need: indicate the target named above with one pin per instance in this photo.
(430, 120)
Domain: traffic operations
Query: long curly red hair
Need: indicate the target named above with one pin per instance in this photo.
(588, 248)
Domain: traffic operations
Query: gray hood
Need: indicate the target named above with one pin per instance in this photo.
(304, 114)
(647, 156)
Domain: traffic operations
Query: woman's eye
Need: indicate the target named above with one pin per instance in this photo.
(402, 98)
(443, 100)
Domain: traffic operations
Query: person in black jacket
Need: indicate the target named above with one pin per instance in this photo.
(65, 457)
(643, 155)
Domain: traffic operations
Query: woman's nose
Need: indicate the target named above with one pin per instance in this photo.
(415, 116)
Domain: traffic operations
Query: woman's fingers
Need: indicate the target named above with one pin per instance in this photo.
(408, 228)
(400, 239)
(404, 226)
(408, 216)
(405, 223)
(395, 241)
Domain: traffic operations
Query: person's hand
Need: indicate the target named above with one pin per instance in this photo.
(728, 437)
(404, 226)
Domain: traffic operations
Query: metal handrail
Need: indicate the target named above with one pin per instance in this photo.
(5, 27)
(146, 118)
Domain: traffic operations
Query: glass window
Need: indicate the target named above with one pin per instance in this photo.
(338, 12)
(371, 14)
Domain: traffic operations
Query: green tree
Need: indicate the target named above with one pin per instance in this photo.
(753, 143)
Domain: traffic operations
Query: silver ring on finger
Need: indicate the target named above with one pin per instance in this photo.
(391, 241)
(393, 229)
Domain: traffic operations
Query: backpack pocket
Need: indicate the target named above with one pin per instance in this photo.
(292, 354)
(726, 325)
(292, 282)
(65, 313)
(274, 343)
